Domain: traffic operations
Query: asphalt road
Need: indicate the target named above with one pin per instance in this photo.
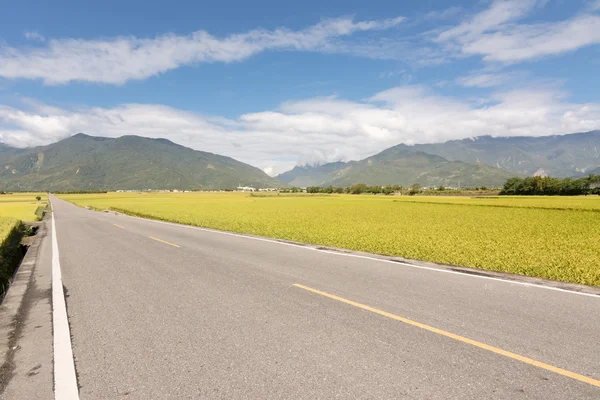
(161, 311)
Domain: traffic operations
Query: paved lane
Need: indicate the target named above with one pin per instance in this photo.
(161, 311)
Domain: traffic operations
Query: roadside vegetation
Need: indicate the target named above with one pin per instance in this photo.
(11, 231)
(549, 237)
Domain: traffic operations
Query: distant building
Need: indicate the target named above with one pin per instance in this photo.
(245, 189)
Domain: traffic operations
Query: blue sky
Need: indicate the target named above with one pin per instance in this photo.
(277, 84)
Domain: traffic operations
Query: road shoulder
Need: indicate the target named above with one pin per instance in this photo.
(26, 326)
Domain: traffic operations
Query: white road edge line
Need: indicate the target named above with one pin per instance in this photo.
(65, 380)
(308, 247)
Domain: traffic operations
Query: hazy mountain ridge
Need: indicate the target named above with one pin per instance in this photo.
(558, 155)
(83, 162)
(310, 175)
(398, 165)
(483, 160)
(6, 149)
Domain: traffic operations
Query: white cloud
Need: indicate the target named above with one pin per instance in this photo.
(120, 59)
(34, 36)
(491, 79)
(482, 80)
(443, 14)
(499, 13)
(495, 35)
(314, 130)
(534, 41)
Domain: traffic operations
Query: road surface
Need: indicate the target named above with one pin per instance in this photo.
(161, 311)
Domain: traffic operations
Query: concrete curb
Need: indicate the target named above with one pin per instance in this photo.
(12, 307)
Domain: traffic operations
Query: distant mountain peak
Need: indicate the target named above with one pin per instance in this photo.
(83, 162)
(84, 137)
(398, 165)
(165, 141)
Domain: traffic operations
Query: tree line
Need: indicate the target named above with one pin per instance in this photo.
(548, 186)
(362, 188)
(77, 191)
(358, 188)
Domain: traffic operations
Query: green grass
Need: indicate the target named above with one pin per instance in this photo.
(7, 225)
(550, 237)
(10, 236)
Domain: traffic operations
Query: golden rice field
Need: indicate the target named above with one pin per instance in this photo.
(550, 237)
(22, 206)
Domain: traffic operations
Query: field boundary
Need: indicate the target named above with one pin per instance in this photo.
(498, 205)
(567, 287)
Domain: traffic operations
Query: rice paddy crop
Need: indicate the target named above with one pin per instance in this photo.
(550, 237)
(23, 206)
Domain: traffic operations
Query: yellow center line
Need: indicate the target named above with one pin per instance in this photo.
(475, 343)
(118, 226)
(163, 241)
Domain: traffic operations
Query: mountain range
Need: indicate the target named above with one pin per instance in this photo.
(559, 156)
(83, 162)
(398, 165)
(480, 161)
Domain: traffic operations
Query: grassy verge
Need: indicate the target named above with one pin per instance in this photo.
(11, 232)
(40, 211)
